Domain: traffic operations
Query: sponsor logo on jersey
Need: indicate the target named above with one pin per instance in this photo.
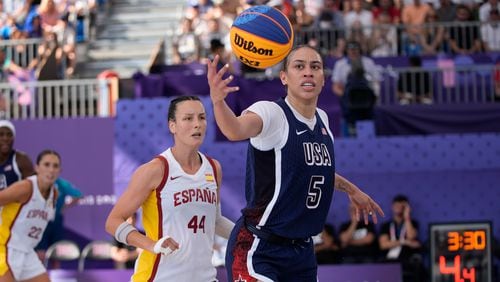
(195, 195)
(7, 168)
(300, 132)
(323, 131)
(317, 154)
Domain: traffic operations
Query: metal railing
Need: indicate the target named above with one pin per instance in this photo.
(447, 85)
(56, 99)
(21, 51)
(392, 40)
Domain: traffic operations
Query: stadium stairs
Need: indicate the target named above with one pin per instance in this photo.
(125, 34)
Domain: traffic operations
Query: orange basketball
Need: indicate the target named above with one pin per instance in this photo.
(261, 36)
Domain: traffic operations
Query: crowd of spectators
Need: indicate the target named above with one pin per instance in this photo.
(382, 27)
(58, 24)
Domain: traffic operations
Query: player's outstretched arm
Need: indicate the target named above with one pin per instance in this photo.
(363, 203)
(233, 127)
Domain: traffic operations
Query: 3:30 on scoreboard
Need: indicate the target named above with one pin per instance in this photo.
(461, 252)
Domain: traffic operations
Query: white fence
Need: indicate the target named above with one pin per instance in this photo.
(57, 99)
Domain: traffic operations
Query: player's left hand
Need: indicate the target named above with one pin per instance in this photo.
(365, 205)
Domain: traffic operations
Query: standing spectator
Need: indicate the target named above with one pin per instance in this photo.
(14, 164)
(359, 17)
(342, 69)
(490, 32)
(464, 35)
(486, 8)
(386, 7)
(358, 241)
(68, 196)
(432, 38)
(447, 11)
(398, 240)
(327, 250)
(414, 85)
(413, 16)
(20, 231)
(178, 192)
(384, 40)
(328, 27)
(289, 191)
(186, 45)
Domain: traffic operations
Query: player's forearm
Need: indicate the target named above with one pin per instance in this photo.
(344, 185)
(227, 121)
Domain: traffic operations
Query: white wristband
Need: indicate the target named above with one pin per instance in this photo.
(122, 232)
(159, 249)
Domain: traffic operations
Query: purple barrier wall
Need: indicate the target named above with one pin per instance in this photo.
(338, 273)
(447, 177)
(86, 149)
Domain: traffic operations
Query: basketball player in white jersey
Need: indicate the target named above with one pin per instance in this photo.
(178, 192)
(28, 205)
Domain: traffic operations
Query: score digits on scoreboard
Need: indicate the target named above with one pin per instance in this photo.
(461, 252)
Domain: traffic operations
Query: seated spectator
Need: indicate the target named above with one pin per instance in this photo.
(124, 255)
(414, 85)
(464, 35)
(186, 45)
(327, 250)
(218, 48)
(490, 32)
(398, 240)
(358, 241)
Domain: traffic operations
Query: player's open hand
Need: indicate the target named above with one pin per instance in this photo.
(219, 88)
(366, 206)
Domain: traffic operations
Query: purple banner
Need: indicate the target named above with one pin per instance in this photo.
(86, 149)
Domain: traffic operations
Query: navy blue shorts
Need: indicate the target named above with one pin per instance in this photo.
(268, 261)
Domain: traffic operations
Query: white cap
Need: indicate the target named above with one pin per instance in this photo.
(9, 125)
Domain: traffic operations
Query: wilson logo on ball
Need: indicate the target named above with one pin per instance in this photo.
(261, 36)
(250, 46)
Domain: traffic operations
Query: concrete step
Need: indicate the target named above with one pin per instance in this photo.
(125, 68)
(132, 34)
(121, 53)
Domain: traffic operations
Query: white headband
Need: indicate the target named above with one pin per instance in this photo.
(9, 125)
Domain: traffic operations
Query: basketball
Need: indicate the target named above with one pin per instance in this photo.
(261, 36)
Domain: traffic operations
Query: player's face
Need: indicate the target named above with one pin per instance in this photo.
(6, 140)
(48, 168)
(190, 123)
(304, 75)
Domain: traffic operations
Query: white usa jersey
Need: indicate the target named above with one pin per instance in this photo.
(183, 207)
(23, 224)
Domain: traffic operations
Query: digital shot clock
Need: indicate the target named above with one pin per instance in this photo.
(461, 252)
